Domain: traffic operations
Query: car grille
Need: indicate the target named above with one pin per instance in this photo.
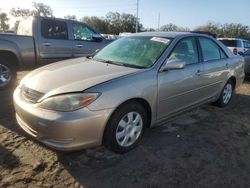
(30, 95)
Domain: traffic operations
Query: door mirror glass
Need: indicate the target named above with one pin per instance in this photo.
(173, 65)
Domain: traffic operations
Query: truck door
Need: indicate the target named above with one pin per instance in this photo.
(84, 41)
(54, 43)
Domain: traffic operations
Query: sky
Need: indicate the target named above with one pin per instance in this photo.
(185, 13)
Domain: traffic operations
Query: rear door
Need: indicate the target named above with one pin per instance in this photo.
(216, 66)
(54, 43)
(83, 41)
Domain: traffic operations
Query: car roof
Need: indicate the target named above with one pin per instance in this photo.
(166, 34)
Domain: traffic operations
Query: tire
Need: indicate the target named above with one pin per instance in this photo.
(226, 94)
(125, 128)
(7, 74)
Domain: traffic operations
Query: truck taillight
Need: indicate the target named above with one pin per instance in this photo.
(235, 51)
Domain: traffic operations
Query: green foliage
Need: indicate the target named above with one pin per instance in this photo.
(172, 27)
(113, 23)
(39, 9)
(70, 17)
(231, 30)
(4, 22)
(17, 12)
(99, 24)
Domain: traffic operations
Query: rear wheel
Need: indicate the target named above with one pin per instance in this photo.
(7, 74)
(226, 94)
(125, 128)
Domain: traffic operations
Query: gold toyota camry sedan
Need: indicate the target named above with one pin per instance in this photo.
(133, 83)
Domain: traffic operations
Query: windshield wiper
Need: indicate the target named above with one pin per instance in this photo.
(119, 63)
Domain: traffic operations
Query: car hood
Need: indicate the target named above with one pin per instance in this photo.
(73, 75)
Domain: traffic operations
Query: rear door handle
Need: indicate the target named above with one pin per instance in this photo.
(198, 73)
(46, 44)
(79, 45)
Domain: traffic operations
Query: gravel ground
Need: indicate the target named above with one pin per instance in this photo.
(206, 147)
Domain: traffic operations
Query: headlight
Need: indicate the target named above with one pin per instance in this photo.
(68, 102)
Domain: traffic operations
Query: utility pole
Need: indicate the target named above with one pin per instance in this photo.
(159, 19)
(137, 10)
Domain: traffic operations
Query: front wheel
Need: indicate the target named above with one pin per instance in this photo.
(226, 94)
(125, 128)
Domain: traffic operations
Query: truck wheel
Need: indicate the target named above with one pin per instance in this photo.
(7, 75)
(125, 128)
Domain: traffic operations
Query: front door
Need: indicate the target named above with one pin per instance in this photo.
(83, 41)
(182, 88)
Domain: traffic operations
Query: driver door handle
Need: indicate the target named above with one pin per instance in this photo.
(79, 45)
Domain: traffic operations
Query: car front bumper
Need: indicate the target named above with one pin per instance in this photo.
(61, 130)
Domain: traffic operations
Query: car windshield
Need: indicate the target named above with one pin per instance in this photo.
(138, 52)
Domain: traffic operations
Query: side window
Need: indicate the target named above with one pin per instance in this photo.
(210, 50)
(82, 32)
(185, 50)
(52, 29)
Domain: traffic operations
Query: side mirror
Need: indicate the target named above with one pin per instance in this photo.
(173, 65)
(241, 53)
(97, 37)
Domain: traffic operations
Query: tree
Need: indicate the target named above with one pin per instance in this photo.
(211, 27)
(99, 24)
(232, 30)
(41, 9)
(149, 29)
(23, 13)
(118, 23)
(4, 22)
(172, 27)
(70, 17)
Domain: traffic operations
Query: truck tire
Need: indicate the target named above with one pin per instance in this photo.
(7, 74)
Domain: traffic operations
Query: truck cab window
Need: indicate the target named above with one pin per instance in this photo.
(54, 29)
(82, 32)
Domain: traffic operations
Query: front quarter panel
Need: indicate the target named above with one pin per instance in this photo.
(115, 92)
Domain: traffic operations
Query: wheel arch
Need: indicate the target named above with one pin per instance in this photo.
(10, 56)
(233, 79)
(142, 102)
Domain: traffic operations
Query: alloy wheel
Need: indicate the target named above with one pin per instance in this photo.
(227, 93)
(5, 75)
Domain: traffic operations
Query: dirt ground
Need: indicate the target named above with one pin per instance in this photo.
(206, 147)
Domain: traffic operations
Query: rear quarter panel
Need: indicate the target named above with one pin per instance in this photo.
(21, 46)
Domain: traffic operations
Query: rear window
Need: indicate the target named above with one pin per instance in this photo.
(231, 43)
(52, 29)
(25, 27)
